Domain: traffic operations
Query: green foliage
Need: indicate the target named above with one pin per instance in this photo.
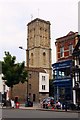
(13, 72)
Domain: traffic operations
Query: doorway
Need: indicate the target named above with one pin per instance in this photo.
(34, 97)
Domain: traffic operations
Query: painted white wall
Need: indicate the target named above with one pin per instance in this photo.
(44, 82)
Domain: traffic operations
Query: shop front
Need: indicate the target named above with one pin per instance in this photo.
(62, 81)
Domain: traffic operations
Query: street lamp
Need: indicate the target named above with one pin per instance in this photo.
(27, 51)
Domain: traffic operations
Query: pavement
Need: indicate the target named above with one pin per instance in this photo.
(37, 106)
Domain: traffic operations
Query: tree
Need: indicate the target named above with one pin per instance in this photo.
(13, 72)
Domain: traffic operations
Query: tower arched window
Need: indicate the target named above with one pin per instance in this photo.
(31, 58)
(44, 58)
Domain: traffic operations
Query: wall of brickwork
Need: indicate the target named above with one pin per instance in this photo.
(20, 91)
(70, 39)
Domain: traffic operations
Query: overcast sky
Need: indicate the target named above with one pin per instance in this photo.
(15, 15)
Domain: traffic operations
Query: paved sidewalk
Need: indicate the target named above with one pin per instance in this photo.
(37, 106)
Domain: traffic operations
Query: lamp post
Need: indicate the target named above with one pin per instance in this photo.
(27, 51)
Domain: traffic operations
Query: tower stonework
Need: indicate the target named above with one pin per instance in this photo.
(39, 45)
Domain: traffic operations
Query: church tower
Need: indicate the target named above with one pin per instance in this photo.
(39, 45)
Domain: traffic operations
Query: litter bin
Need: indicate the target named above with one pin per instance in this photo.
(28, 104)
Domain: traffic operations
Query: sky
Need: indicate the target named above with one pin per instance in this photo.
(16, 14)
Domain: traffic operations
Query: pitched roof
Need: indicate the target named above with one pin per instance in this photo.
(70, 34)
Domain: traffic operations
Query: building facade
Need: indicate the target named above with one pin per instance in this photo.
(62, 77)
(76, 74)
(38, 59)
(65, 45)
(39, 45)
(62, 80)
(38, 86)
(4, 90)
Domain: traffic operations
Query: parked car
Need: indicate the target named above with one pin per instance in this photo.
(47, 102)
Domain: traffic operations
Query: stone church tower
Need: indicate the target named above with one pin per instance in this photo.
(38, 45)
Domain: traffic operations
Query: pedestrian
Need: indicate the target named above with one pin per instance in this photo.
(12, 103)
(58, 105)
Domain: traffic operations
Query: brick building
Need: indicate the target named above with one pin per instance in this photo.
(62, 68)
(65, 45)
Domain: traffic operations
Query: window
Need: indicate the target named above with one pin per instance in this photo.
(62, 52)
(43, 78)
(70, 49)
(31, 58)
(43, 87)
(44, 58)
(29, 86)
(29, 75)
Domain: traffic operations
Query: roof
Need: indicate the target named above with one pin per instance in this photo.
(38, 19)
(70, 34)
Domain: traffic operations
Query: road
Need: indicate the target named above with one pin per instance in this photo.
(19, 113)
